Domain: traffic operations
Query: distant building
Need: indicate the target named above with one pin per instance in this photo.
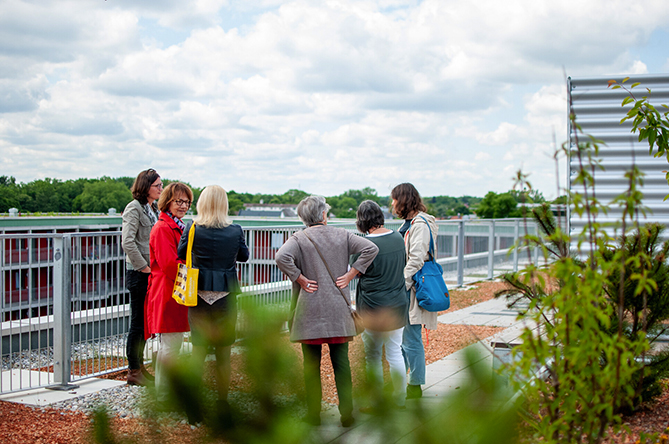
(268, 210)
(97, 266)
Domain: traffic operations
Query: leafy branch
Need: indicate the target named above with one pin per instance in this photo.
(651, 125)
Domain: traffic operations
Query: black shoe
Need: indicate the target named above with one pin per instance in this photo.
(194, 417)
(347, 421)
(223, 421)
(414, 391)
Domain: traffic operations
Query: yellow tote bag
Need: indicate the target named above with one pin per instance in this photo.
(185, 284)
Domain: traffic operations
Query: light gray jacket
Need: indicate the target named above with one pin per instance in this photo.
(135, 236)
(323, 313)
(417, 243)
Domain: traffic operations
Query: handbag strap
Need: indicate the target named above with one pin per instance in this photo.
(431, 251)
(334, 281)
(189, 251)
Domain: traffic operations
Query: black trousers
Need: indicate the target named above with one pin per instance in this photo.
(137, 283)
(312, 378)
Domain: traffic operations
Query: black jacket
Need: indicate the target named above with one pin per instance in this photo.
(215, 253)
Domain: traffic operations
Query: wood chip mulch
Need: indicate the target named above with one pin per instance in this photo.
(24, 424)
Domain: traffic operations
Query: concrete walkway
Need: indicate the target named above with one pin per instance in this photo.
(41, 397)
(442, 378)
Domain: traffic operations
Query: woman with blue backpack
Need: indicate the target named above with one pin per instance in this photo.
(418, 229)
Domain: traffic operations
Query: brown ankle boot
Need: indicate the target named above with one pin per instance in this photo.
(148, 376)
(135, 377)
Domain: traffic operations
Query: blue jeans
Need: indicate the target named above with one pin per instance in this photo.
(414, 353)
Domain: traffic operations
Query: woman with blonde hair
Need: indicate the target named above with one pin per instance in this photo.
(218, 245)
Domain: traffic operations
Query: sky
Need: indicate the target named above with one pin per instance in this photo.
(263, 96)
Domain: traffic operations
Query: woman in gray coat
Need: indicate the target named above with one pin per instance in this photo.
(321, 314)
(139, 217)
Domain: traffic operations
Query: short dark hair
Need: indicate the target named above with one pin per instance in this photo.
(142, 184)
(171, 192)
(369, 216)
(407, 200)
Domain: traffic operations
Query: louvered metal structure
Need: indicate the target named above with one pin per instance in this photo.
(598, 111)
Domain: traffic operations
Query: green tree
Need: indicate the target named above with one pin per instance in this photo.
(46, 195)
(498, 206)
(68, 191)
(9, 192)
(343, 206)
(366, 193)
(234, 205)
(293, 196)
(99, 196)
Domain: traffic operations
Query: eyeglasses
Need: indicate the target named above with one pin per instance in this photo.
(157, 185)
(183, 203)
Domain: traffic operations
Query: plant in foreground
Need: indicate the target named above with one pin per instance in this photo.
(581, 365)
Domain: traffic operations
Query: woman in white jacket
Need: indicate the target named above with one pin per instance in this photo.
(408, 205)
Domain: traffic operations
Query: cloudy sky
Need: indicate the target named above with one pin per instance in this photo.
(324, 96)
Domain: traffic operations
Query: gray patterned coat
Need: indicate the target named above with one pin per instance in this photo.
(324, 313)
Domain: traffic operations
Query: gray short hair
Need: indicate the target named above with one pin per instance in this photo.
(311, 208)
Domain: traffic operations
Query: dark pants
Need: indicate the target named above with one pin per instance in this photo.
(137, 283)
(312, 378)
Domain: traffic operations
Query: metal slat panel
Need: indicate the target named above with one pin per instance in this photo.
(598, 112)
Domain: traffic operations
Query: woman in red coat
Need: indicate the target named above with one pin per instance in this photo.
(164, 316)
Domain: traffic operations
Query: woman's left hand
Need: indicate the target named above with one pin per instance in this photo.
(342, 281)
(307, 285)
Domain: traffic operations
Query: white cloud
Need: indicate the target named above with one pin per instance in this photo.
(638, 67)
(325, 96)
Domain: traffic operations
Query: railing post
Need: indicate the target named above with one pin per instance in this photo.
(516, 237)
(461, 252)
(62, 325)
(252, 258)
(491, 250)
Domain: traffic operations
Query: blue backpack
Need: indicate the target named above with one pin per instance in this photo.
(431, 291)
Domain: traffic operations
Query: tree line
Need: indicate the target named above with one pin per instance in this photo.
(100, 194)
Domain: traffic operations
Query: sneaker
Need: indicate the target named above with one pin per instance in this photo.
(414, 391)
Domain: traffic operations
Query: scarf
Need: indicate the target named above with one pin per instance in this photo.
(149, 211)
(176, 220)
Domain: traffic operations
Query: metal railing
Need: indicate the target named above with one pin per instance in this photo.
(65, 309)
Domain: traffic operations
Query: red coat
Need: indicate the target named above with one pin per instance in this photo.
(162, 313)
